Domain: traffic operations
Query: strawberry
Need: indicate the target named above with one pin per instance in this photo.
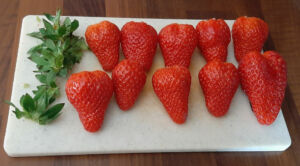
(177, 43)
(213, 39)
(263, 78)
(139, 42)
(90, 93)
(172, 86)
(219, 82)
(129, 79)
(249, 34)
(104, 40)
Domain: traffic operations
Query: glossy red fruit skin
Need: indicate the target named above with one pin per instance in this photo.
(263, 78)
(104, 40)
(90, 93)
(129, 79)
(213, 39)
(219, 82)
(177, 43)
(139, 43)
(172, 86)
(249, 34)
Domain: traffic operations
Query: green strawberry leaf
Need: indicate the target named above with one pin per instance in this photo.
(42, 78)
(35, 49)
(50, 44)
(55, 56)
(51, 114)
(49, 17)
(57, 19)
(37, 35)
(74, 25)
(27, 103)
(63, 72)
(62, 30)
(38, 60)
(17, 111)
(50, 77)
(67, 22)
(48, 26)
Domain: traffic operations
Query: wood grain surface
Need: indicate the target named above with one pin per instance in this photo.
(282, 17)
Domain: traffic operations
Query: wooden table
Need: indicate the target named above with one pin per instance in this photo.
(283, 17)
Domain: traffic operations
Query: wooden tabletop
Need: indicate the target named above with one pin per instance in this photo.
(282, 17)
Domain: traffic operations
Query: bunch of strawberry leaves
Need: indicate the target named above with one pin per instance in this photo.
(55, 56)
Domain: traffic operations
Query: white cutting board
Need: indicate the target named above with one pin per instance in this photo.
(147, 126)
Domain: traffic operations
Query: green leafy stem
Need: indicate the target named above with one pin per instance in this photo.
(55, 56)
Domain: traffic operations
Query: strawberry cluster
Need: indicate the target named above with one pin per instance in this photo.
(263, 77)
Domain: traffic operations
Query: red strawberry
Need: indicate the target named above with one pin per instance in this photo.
(90, 93)
(263, 78)
(129, 79)
(219, 82)
(177, 43)
(213, 39)
(104, 40)
(172, 86)
(249, 34)
(139, 42)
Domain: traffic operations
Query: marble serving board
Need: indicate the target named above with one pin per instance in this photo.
(146, 127)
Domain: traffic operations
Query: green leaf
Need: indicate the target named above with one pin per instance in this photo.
(59, 61)
(47, 54)
(82, 44)
(48, 26)
(57, 19)
(35, 49)
(62, 30)
(55, 56)
(74, 25)
(50, 44)
(53, 84)
(79, 44)
(50, 77)
(51, 114)
(58, 46)
(52, 92)
(66, 44)
(49, 17)
(27, 103)
(19, 114)
(17, 111)
(63, 72)
(37, 35)
(39, 92)
(42, 103)
(78, 56)
(42, 31)
(67, 22)
(45, 68)
(38, 60)
(42, 78)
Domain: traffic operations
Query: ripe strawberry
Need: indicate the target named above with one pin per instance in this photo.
(263, 78)
(219, 82)
(177, 43)
(104, 40)
(129, 79)
(90, 93)
(172, 86)
(249, 34)
(213, 39)
(139, 42)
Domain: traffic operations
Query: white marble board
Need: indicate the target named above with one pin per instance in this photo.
(146, 127)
